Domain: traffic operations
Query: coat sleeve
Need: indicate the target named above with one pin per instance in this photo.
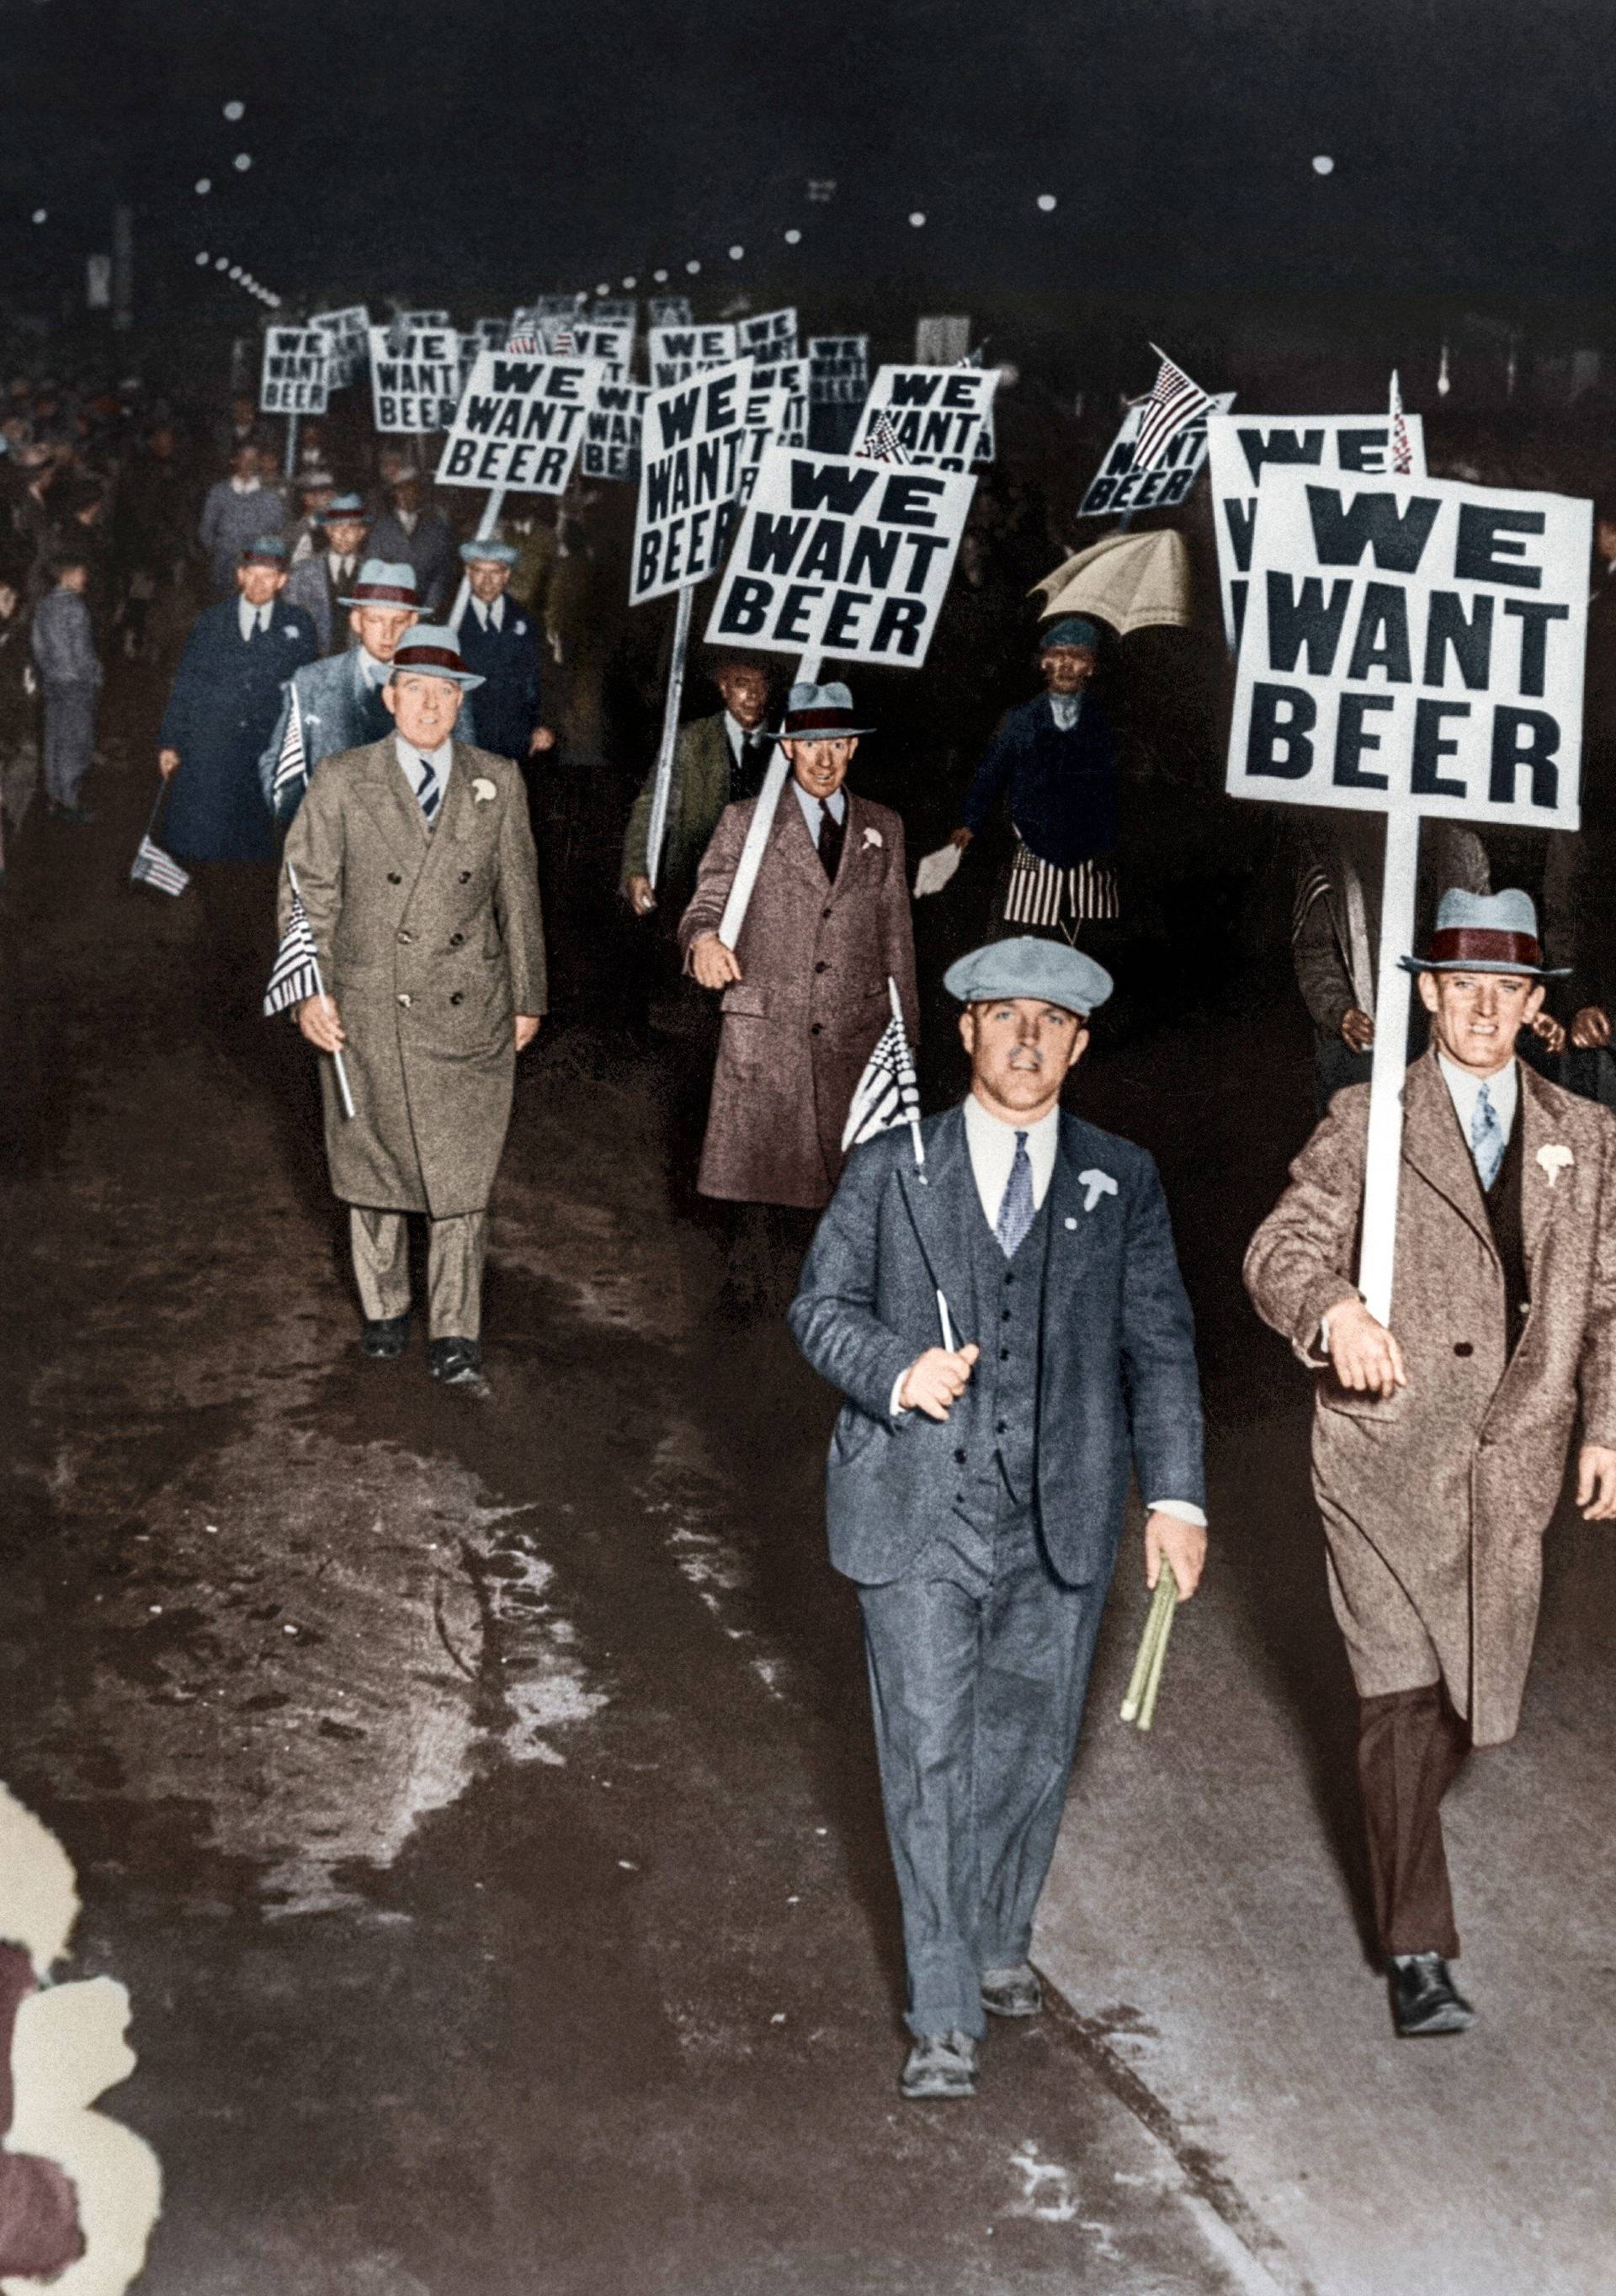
(636, 837)
(315, 848)
(178, 718)
(715, 877)
(1321, 976)
(1158, 1351)
(1597, 1368)
(990, 779)
(1298, 1265)
(516, 900)
(833, 1318)
(898, 931)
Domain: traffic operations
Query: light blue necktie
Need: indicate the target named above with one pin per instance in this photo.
(427, 790)
(1015, 1210)
(1486, 1139)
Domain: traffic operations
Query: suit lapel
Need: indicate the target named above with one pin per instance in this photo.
(1434, 1144)
(1072, 1228)
(392, 805)
(940, 1204)
(1538, 1130)
(791, 834)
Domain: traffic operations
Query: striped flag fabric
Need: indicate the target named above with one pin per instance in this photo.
(883, 444)
(297, 964)
(887, 1093)
(152, 867)
(566, 342)
(523, 346)
(1175, 402)
(291, 765)
(1401, 456)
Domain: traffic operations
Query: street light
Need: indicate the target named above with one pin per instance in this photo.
(233, 110)
(243, 160)
(1046, 203)
(41, 214)
(735, 253)
(692, 266)
(792, 237)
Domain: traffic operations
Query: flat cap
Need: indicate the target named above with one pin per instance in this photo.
(1027, 966)
(1070, 630)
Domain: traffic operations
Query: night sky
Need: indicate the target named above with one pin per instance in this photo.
(469, 150)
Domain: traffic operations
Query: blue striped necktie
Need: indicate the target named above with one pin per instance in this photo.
(1015, 1206)
(1486, 1139)
(428, 789)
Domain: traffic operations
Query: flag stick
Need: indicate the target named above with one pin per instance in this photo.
(943, 1318)
(663, 785)
(348, 1098)
(291, 454)
(1154, 1623)
(919, 1145)
(1147, 1705)
(762, 821)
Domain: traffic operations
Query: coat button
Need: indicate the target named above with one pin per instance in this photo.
(393, 878)
(814, 1031)
(1463, 1347)
(959, 1458)
(822, 966)
(465, 876)
(1004, 1355)
(1004, 1315)
(455, 939)
(405, 935)
(1001, 1426)
(458, 997)
(404, 998)
(824, 916)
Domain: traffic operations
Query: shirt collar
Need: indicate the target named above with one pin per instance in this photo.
(810, 807)
(1503, 1091)
(374, 672)
(246, 614)
(1066, 708)
(410, 757)
(736, 733)
(487, 610)
(245, 485)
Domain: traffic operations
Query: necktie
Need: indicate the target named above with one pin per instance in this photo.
(427, 790)
(1015, 1210)
(830, 841)
(1486, 1138)
(746, 769)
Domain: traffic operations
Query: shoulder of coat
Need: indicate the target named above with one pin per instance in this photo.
(488, 764)
(1081, 1138)
(1579, 1119)
(879, 816)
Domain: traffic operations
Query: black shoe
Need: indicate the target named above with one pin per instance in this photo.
(385, 1338)
(1014, 1991)
(1424, 1998)
(457, 1363)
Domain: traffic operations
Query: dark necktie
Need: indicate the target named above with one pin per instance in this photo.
(830, 841)
(428, 790)
(746, 767)
(1015, 1206)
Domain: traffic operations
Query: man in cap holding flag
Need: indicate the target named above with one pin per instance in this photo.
(1440, 1445)
(1007, 1324)
(414, 863)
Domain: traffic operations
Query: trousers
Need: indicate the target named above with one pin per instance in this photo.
(455, 1249)
(979, 1659)
(1411, 1747)
(70, 739)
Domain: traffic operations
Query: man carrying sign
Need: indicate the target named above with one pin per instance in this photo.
(1439, 1445)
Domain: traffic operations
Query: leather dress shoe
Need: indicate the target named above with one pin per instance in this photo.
(384, 1338)
(1012, 1992)
(457, 1363)
(1424, 1998)
(940, 2064)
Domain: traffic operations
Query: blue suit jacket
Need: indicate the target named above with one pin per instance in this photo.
(506, 710)
(337, 709)
(1062, 787)
(225, 698)
(1118, 1384)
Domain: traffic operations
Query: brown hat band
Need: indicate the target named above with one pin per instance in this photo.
(818, 721)
(383, 593)
(1477, 945)
(427, 657)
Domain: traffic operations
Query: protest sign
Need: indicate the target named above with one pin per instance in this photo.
(1117, 486)
(415, 321)
(614, 311)
(670, 311)
(766, 415)
(770, 337)
(692, 454)
(612, 432)
(676, 353)
(348, 331)
(520, 424)
(789, 376)
(839, 370)
(1411, 646)
(415, 377)
(837, 555)
(292, 379)
(493, 334)
(612, 344)
(1241, 447)
(936, 411)
(941, 340)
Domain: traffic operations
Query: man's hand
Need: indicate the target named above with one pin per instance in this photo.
(642, 899)
(714, 965)
(168, 765)
(1597, 1483)
(527, 1029)
(1363, 1353)
(1591, 1029)
(962, 837)
(1167, 1537)
(544, 738)
(1357, 1031)
(937, 1380)
(1548, 1031)
(322, 1023)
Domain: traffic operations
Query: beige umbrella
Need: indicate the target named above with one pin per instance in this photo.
(1132, 581)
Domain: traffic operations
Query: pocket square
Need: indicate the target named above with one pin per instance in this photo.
(1098, 1184)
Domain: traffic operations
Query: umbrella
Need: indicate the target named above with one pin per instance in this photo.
(1132, 581)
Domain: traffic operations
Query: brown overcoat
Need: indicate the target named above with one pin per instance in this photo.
(803, 1019)
(431, 942)
(1435, 1504)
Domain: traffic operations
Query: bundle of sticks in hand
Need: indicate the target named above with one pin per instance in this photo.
(1140, 1705)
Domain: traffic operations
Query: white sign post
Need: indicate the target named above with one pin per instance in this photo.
(938, 412)
(1117, 485)
(517, 429)
(1411, 647)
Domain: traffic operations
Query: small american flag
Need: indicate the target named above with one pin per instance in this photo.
(566, 342)
(1402, 447)
(1175, 402)
(152, 867)
(887, 1093)
(297, 964)
(291, 766)
(883, 444)
(524, 346)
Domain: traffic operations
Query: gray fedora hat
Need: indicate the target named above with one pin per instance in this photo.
(1486, 933)
(820, 713)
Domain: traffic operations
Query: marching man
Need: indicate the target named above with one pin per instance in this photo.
(975, 1488)
(1439, 1446)
(415, 867)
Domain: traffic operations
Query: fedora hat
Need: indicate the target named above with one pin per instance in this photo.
(432, 651)
(385, 582)
(1486, 933)
(820, 713)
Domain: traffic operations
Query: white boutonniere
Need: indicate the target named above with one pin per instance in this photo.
(483, 790)
(1555, 1160)
(873, 837)
(1098, 1184)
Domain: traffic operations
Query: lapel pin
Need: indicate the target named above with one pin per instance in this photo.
(1069, 1221)
(1098, 1184)
(873, 837)
(1555, 1159)
(483, 790)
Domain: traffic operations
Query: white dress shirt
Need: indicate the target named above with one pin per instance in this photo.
(245, 485)
(837, 804)
(374, 672)
(250, 616)
(489, 611)
(1503, 1091)
(343, 570)
(410, 759)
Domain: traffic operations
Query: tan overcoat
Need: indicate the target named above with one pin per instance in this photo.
(801, 1023)
(431, 942)
(1435, 1504)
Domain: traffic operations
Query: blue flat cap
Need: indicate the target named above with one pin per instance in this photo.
(431, 651)
(1486, 933)
(1072, 630)
(489, 549)
(341, 506)
(1027, 966)
(269, 550)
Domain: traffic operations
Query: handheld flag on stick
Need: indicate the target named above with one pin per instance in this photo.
(1402, 456)
(297, 975)
(883, 444)
(1175, 402)
(151, 865)
(291, 765)
(887, 1093)
(1145, 1681)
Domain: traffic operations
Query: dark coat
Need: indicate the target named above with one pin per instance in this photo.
(221, 710)
(507, 711)
(1118, 1384)
(697, 795)
(1062, 787)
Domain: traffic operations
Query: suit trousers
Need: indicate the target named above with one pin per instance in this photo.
(1411, 1747)
(456, 1248)
(70, 739)
(979, 1659)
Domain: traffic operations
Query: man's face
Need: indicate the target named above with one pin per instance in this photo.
(76, 577)
(241, 412)
(1474, 1015)
(161, 444)
(8, 602)
(315, 499)
(259, 582)
(488, 578)
(822, 767)
(1067, 669)
(1022, 1048)
(1604, 538)
(407, 494)
(745, 692)
(426, 706)
(245, 462)
(378, 628)
(346, 536)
